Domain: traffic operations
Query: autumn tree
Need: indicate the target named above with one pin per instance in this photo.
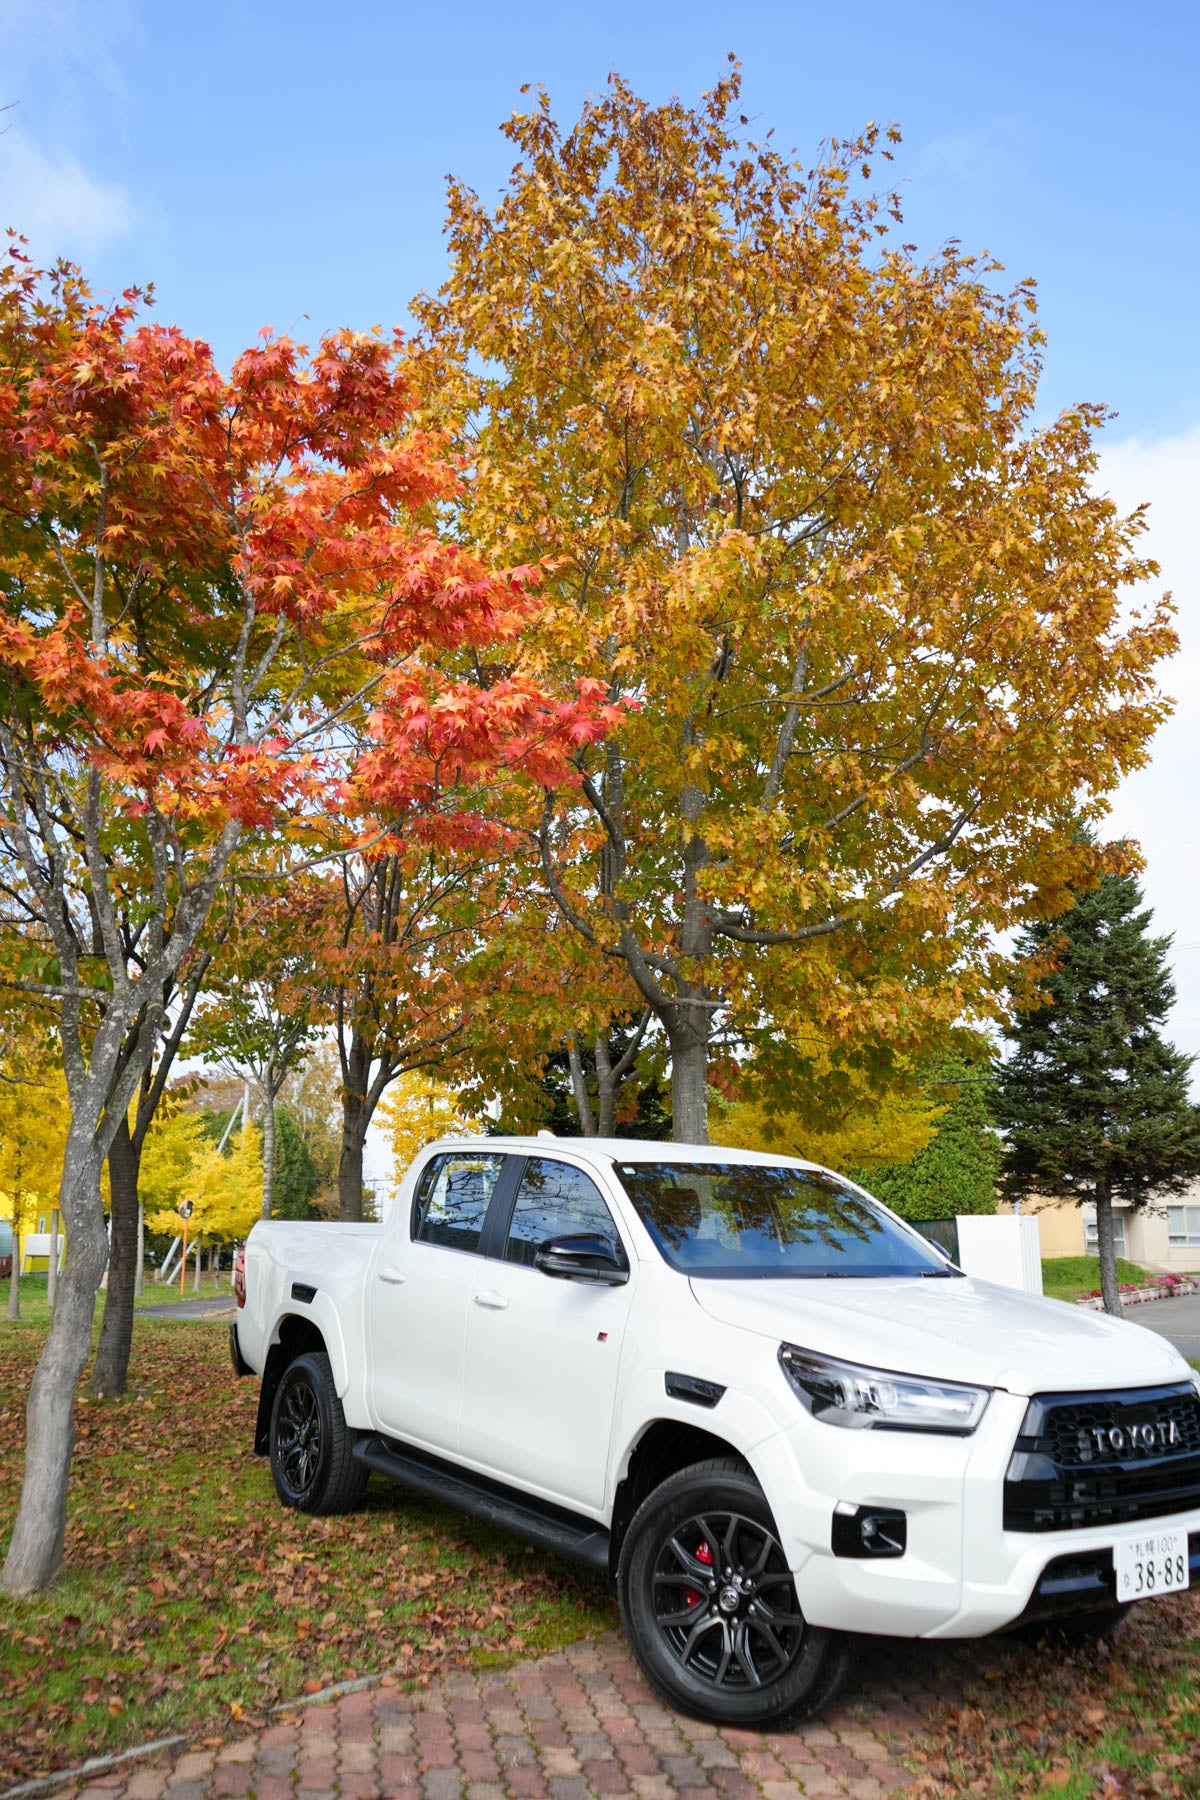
(32, 1128)
(313, 1097)
(1094, 1102)
(174, 1003)
(223, 1186)
(838, 1122)
(870, 618)
(400, 926)
(417, 1109)
(205, 580)
(266, 1007)
(958, 1169)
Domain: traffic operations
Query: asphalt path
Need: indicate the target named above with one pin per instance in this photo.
(1178, 1320)
(207, 1306)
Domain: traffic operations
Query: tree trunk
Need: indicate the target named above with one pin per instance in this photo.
(355, 1119)
(139, 1277)
(36, 1546)
(268, 1131)
(608, 1086)
(14, 1280)
(1109, 1286)
(111, 1370)
(583, 1104)
(688, 1040)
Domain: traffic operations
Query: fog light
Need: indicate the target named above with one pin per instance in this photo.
(864, 1531)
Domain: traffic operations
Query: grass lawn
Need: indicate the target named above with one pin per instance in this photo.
(191, 1599)
(1066, 1277)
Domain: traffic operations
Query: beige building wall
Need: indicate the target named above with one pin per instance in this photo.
(1060, 1226)
(1144, 1236)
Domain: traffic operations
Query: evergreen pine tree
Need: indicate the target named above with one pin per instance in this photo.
(1094, 1102)
(294, 1183)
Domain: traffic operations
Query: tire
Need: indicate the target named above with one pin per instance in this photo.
(749, 1662)
(311, 1461)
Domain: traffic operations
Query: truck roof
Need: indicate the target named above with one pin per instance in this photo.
(615, 1149)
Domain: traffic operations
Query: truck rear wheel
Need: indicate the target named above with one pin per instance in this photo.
(312, 1463)
(710, 1609)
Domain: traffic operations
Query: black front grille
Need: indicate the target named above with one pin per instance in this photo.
(1082, 1433)
(1104, 1459)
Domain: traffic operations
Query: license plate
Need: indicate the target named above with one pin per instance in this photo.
(1151, 1562)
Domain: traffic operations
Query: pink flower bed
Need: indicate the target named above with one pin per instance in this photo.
(1165, 1288)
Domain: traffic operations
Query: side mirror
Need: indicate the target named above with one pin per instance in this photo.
(585, 1256)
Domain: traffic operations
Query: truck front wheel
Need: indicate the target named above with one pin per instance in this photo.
(311, 1461)
(710, 1609)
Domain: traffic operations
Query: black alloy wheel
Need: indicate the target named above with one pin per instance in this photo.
(312, 1461)
(298, 1437)
(710, 1608)
(724, 1601)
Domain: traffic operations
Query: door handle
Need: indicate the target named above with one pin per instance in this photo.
(394, 1276)
(491, 1299)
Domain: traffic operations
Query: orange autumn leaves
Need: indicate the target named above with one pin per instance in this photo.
(276, 522)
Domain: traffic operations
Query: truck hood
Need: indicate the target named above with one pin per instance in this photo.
(956, 1329)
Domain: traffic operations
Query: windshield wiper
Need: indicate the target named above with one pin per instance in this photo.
(939, 1274)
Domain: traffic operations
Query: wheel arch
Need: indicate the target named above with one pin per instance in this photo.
(294, 1336)
(661, 1449)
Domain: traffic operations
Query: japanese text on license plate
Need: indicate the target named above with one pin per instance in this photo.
(1150, 1562)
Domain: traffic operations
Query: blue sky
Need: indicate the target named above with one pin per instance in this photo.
(263, 161)
(281, 164)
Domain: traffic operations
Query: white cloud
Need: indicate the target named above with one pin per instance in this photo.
(51, 199)
(1160, 805)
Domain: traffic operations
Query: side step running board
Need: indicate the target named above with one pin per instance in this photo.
(549, 1527)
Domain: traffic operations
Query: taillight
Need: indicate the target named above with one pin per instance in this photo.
(239, 1276)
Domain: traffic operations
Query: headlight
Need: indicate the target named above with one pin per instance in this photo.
(841, 1393)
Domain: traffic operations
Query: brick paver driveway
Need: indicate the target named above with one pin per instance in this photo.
(570, 1726)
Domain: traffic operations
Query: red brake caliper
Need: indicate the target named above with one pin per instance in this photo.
(703, 1555)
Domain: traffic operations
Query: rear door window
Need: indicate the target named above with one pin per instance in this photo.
(452, 1200)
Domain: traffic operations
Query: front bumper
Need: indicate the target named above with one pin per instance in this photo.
(962, 1574)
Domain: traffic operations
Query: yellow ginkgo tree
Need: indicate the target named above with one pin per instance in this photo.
(418, 1108)
(182, 1164)
(33, 1132)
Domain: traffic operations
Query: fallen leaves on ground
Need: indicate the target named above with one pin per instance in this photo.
(1118, 1719)
(191, 1597)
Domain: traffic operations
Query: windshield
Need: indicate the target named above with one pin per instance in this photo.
(736, 1220)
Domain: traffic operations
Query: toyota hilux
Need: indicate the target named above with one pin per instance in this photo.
(763, 1405)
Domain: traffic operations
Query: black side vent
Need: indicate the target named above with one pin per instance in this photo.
(693, 1388)
(302, 1291)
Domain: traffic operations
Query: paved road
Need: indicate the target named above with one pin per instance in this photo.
(204, 1306)
(574, 1726)
(1178, 1320)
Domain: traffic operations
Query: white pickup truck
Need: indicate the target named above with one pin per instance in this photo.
(767, 1408)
